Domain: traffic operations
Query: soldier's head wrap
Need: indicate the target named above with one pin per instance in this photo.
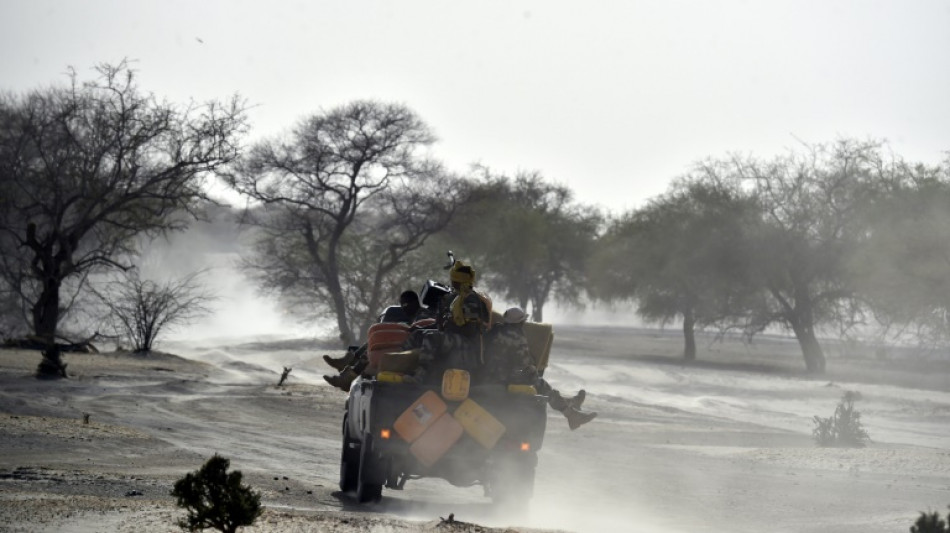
(462, 273)
(464, 276)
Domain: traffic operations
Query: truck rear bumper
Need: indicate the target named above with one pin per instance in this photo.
(373, 408)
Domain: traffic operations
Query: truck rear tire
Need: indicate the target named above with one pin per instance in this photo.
(349, 460)
(367, 489)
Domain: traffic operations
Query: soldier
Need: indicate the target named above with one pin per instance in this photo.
(356, 359)
(410, 309)
(463, 319)
(509, 361)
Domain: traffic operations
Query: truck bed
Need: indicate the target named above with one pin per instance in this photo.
(373, 408)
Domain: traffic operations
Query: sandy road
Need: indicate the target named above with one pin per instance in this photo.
(675, 448)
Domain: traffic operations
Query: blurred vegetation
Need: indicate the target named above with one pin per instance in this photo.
(528, 238)
(680, 256)
(931, 523)
(844, 427)
(349, 207)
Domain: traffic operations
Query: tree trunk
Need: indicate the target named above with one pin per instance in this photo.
(811, 349)
(339, 305)
(522, 303)
(537, 313)
(45, 318)
(689, 335)
(801, 319)
(538, 299)
(346, 333)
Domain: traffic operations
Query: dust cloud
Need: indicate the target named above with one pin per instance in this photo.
(722, 444)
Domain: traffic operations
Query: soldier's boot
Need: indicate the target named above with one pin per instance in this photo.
(576, 418)
(339, 363)
(343, 379)
(577, 400)
(557, 402)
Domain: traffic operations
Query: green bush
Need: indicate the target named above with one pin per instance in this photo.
(844, 427)
(215, 498)
(930, 523)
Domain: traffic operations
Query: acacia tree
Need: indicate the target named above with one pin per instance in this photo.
(682, 255)
(902, 265)
(345, 198)
(529, 237)
(810, 229)
(86, 167)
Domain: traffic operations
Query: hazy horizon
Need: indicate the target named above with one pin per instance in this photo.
(613, 100)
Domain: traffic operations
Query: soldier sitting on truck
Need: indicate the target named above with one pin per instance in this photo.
(458, 341)
(356, 359)
(410, 310)
(509, 361)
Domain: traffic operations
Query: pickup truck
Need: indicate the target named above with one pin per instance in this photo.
(466, 434)
(491, 438)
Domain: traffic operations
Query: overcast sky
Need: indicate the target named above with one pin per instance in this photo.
(613, 99)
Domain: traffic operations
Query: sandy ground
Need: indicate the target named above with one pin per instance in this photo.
(723, 444)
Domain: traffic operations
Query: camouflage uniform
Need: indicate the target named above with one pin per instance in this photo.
(508, 360)
(453, 345)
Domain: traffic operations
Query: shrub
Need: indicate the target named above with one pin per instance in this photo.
(215, 498)
(144, 309)
(930, 523)
(824, 431)
(844, 427)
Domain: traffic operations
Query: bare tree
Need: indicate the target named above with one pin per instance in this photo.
(345, 198)
(87, 167)
(144, 309)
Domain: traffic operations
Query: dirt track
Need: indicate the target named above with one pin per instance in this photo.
(723, 445)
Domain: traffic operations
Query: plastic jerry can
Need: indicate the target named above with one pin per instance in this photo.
(404, 361)
(436, 440)
(419, 416)
(479, 423)
(389, 377)
(455, 384)
(387, 338)
(386, 326)
(377, 354)
(528, 390)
